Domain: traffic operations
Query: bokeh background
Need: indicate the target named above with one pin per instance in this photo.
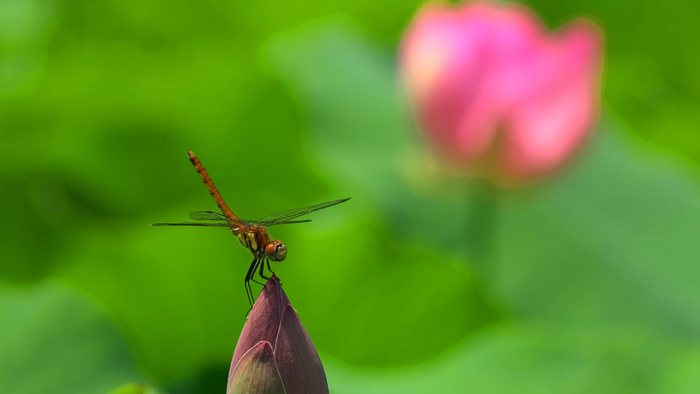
(592, 280)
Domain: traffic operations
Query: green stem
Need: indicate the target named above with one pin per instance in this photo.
(482, 206)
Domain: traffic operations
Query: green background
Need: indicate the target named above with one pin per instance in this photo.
(587, 283)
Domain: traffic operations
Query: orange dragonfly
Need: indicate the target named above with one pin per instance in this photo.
(251, 233)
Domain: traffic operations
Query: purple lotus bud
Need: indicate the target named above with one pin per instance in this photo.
(274, 353)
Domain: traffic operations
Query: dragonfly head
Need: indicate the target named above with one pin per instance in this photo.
(276, 251)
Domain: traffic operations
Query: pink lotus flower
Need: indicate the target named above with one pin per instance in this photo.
(274, 353)
(498, 95)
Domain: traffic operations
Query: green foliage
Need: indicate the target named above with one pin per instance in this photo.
(591, 283)
(133, 388)
(53, 340)
(638, 214)
(531, 359)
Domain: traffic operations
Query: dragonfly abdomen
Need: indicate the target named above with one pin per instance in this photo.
(210, 186)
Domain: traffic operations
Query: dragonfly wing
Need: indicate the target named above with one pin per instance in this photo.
(275, 223)
(192, 224)
(209, 215)
(288, 216)
(206, 215)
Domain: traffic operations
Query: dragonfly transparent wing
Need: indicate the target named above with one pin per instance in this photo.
(209, 215)
(287, 217)
(206, 215)
(193, 224)
(268, 224)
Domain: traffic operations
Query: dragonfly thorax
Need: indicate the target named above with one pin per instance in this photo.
(257, 240)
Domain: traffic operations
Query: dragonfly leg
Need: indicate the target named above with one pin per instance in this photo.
(262, 270)
(252, 273)
(248, 277)
(270, 269)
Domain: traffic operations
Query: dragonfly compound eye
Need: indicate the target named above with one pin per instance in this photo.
(276, 251)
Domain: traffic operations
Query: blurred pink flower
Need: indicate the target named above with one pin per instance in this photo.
(495, 93)
(274, 353)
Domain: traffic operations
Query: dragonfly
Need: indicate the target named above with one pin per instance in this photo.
(252, 234)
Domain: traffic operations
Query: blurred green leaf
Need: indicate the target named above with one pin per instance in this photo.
(682, 373)
(391, 305)
(526, 359)
(53, 340)
(162, 271)
(615, 239)
(25, 28)
(134, 388)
